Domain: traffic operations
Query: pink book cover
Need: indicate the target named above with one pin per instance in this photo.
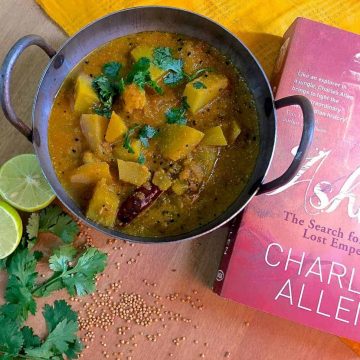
(297, 251)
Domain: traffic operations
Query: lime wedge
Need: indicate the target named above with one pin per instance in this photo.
(11, 229)
(23, 185)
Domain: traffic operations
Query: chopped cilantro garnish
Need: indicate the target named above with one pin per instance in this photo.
(112, 69)
(140, 75)
(198, 73)
(61, 340)
(146, 132)
(164, 59)
(176, 115)
(107, 86)
(141, 159)
(127, 139)
(199, 85)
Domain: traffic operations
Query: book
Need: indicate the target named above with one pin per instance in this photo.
(296, 253)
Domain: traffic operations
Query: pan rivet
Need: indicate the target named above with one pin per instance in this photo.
(59, 60)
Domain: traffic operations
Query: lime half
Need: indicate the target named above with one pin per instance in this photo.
(23, 185)
(11, 229)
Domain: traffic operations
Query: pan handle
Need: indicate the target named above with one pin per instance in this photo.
(6, 73)
(306, 139)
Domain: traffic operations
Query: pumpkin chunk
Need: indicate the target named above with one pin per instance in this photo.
(134, 98)
(179, 186)
(204, 89)
(177, 141)
(214, 136)
(147, 51)
(123, 154)
(85, 95)
(94, 127)
(103, 205)
(91, 173)
(89, 157)
(234, 131)
(162, 180)
(133, 173)
(116, 128)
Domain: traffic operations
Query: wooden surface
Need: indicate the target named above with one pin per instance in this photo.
(217, 327)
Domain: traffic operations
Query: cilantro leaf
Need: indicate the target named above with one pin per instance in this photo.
(32, 228)
(78, 279)
(140, 75)
(147, 132)
(61, 257)
(107, 86)
(30, 339)
(176, 115)
(141, 159)
(127, 139)
(164, 59)
(22, 266)
(19, 299)
(57, 342)
(54, 220)
(112, 69)
(55, 314)
(11, 339)
(3, 263)
(74, 349)
(173, 79)
(198, 73)
(91, 262)
(199, 85)
(62, 325)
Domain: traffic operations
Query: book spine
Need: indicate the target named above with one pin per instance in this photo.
(234, 226)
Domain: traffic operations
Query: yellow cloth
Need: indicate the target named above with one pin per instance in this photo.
(260, 24)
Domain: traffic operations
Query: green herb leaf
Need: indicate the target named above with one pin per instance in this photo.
(11, 339)
(147, 132)
(140, 75)
(78, 279)
(32, 228)
(164, 59)
(173, 79)
(199, 85)
(54, 220)
(198, 73)
(111, 69)
(57, 342)
(30, 339)
(108, 86)
(55, 314)
(177, 115)
(127, 139)
(141, 159)
(62, 256)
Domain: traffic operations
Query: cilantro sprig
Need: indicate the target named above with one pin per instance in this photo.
(62, 326)
(107, 86)
(164, 59)
(78, 279)
(176, 115)
(127, 139)
(145, 133)
(73, 271)
(52, 219)
(139, 74)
